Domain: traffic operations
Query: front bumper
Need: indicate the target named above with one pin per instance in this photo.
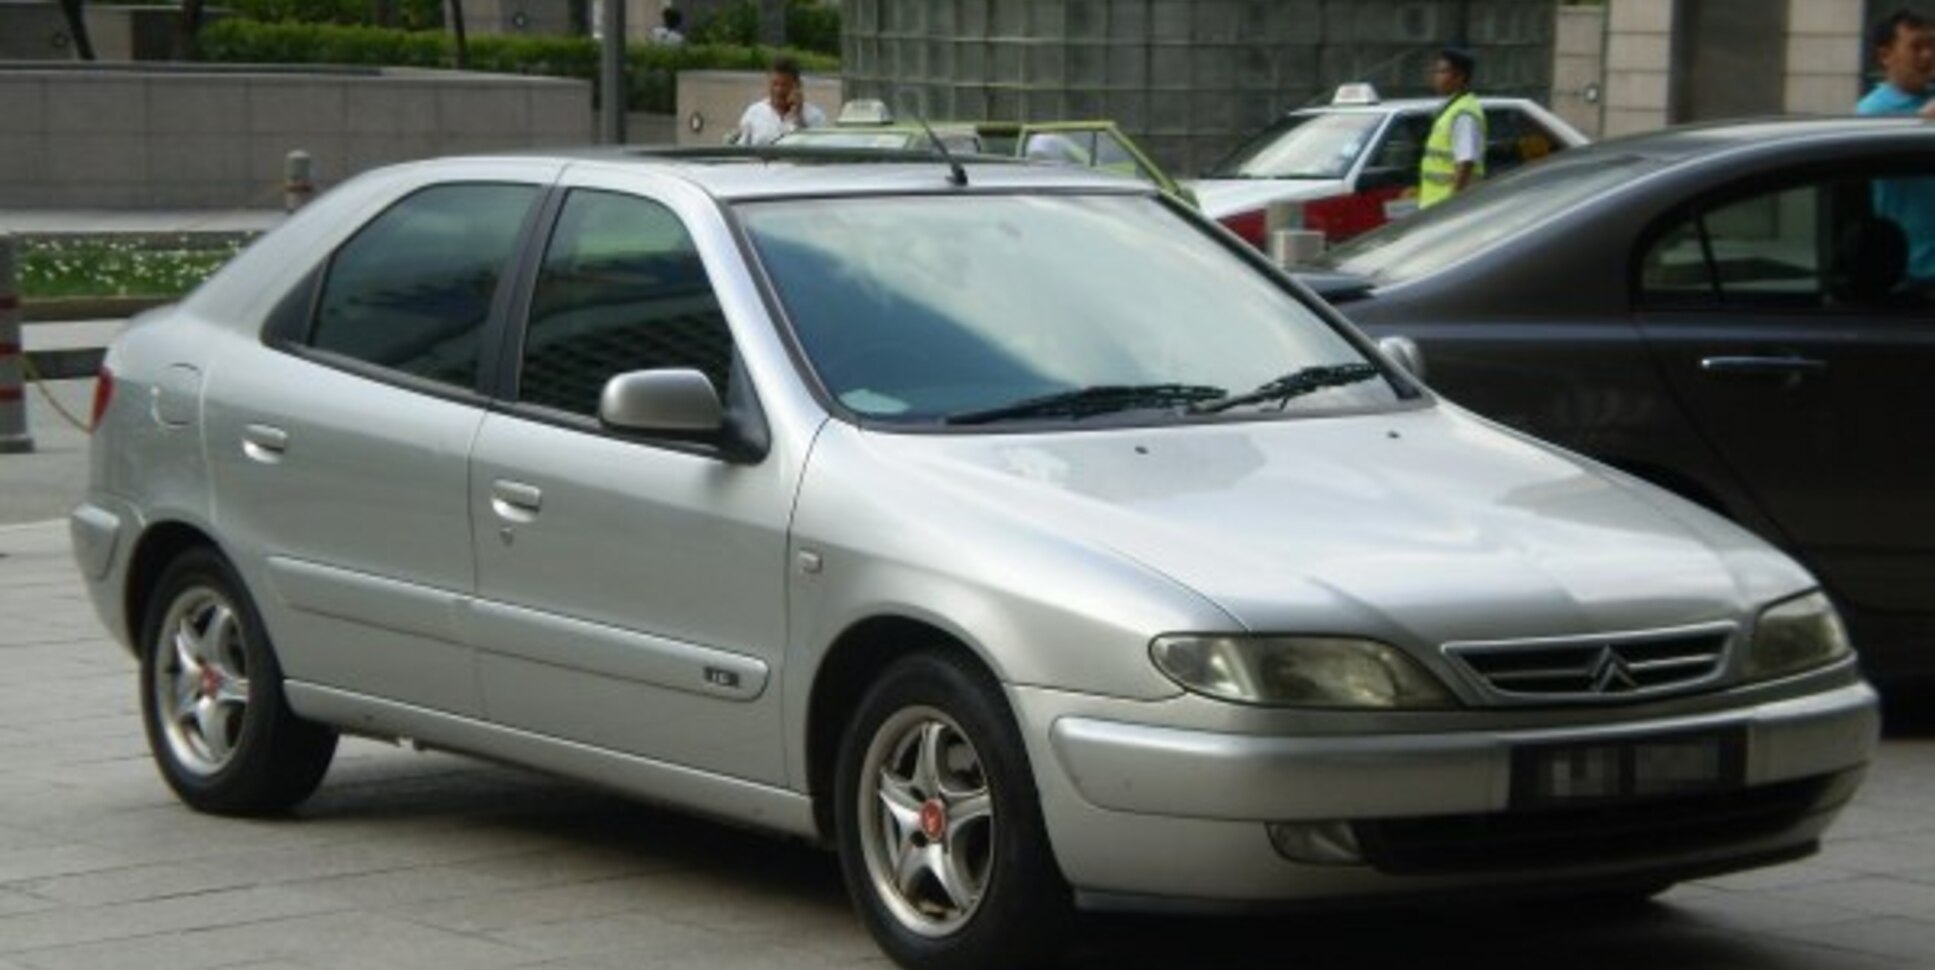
(1146, 810)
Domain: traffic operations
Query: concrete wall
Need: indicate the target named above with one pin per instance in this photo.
(710, 102)
(79, 138)
(1639, 65)
(1826, 54)
(1672, 61)
(1579, 67)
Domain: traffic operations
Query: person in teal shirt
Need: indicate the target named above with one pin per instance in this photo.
(1904, 44)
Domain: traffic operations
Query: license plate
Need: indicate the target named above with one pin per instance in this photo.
(1632, 769)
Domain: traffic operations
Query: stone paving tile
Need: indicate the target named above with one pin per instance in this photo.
(1896, 938)
(1751, 912)
(1871, 895)
(68, 926)
(332, 941)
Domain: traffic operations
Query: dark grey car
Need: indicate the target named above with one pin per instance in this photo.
(1742, 313)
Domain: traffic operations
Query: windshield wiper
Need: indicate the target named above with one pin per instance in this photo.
(1089, 401)
(1295, 384)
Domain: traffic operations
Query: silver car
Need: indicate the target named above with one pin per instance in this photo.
(1013, 530)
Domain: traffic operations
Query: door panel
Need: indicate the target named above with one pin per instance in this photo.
(1787, 322)
(359, 522)
(631, 594)
(340, 451)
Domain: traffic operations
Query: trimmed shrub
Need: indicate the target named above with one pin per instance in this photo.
(811, 25)
(409, 14)
(652, 69)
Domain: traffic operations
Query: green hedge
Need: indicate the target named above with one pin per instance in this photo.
(408, 14)
(811, 25)
(652, 69)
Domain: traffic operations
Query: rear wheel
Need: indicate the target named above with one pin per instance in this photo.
(211, 697)
(939, 823)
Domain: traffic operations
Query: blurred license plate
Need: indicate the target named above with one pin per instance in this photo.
(1679, 764)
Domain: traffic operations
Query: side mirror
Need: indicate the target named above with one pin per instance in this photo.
(1404, 352)
(677, 402)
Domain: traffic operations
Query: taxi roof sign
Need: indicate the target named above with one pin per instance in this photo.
(1356, 92)
(865, 111)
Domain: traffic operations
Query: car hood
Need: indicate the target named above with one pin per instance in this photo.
(1223, 197)
(1421, 526)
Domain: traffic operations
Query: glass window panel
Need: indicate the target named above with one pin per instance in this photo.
(412, 290)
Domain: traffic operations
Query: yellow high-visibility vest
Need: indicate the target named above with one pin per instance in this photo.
(1439, 173)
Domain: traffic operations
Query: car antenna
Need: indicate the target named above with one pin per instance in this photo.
(957, 176)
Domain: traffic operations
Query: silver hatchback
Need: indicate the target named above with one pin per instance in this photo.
(1013, 530)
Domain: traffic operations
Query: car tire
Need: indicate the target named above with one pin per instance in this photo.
(218, 725)
(929, 764)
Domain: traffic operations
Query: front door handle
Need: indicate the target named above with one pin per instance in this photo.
(1790, 366)
(515, 501)
(264, 443)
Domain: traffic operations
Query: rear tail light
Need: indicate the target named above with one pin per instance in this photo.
(1252, 226)
(103, 395)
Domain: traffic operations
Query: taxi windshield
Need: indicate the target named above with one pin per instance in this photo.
(1303, 146)
(979, 309)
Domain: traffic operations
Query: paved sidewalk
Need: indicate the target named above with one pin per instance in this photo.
(414, 860)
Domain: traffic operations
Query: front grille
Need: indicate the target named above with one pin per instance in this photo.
(1569, 837)
(1598, 669)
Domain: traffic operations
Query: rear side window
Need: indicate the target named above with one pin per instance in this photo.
(412, 290)
(621, 289)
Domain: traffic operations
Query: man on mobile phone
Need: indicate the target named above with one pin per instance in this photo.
(783, 109)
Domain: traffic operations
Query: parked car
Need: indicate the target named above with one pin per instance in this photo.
(859, 504)
(1097, 144)
(1720, 310)
(1347, 161)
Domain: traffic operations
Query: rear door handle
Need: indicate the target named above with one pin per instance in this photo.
(515, 501)
(264, 443)
(1789, 366)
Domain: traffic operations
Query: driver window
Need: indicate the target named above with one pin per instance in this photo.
(621, 289)
(1403, 144)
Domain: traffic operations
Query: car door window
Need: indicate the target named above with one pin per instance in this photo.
(1113, 156)
(1761, 251)
(1848, 241)
(621, 289)
(412, 290)
(1402, 148)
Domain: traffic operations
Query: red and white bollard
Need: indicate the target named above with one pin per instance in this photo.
(13, 386)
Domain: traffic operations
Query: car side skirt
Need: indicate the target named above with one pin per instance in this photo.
(721, 797)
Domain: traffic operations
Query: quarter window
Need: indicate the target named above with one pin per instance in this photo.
(412, 290)
(621, 289)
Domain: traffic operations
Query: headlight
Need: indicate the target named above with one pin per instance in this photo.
(1299, 672)
(1795, 635)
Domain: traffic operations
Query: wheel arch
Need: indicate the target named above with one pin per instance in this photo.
(850, 665)
(160, 544)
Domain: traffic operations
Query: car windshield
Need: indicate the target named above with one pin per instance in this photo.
(989, 309)
(1473, 221)
(1302, 146)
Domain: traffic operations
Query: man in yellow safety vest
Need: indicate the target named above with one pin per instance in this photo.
(1454, 156)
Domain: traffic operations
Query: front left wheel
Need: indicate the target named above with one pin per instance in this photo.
(940, 830)
(211, 697)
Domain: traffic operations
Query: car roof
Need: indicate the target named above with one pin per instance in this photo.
(1398, 105)
(774, 172)
(1687, 141)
